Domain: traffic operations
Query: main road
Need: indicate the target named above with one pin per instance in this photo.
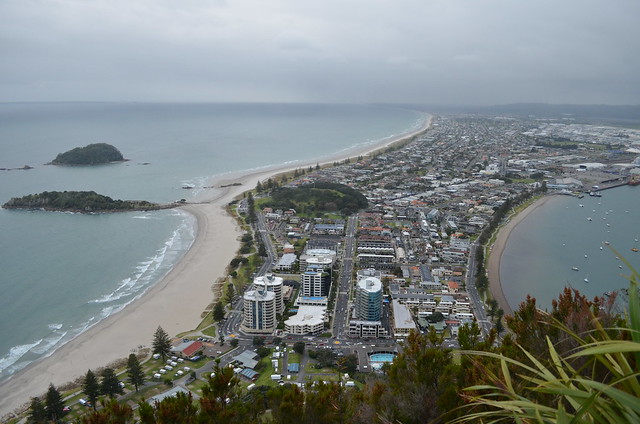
(341, 312)
(261, 228)
(474, 296)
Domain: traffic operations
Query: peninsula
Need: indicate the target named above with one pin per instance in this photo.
(92, 154)
(79, 201)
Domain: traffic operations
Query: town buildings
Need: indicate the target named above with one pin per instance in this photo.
(429, 200)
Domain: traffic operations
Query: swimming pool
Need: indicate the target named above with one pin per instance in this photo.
(382, 357)
(378, 359)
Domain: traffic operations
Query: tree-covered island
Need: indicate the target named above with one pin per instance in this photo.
(80, 201)
(93, 154)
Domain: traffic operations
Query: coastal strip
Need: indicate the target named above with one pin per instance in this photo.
(176, 301)
(498, 248)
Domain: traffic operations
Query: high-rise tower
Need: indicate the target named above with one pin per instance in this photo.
(369, 299)
(273, 284)
(259, 315)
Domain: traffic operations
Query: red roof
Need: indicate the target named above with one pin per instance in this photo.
(192, 349)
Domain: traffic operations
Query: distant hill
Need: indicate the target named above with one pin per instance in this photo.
(582, 113)
(78, 201)
(93, 154)
(624, 115)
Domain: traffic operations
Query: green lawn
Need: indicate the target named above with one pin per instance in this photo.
(210, 331)
(294, 358)
(310, 368)
(266, 369)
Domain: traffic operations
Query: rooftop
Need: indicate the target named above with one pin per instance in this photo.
(402, 316)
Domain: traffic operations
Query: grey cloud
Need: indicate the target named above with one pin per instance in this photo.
(432, 51)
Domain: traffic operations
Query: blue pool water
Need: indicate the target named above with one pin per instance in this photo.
(382, 357)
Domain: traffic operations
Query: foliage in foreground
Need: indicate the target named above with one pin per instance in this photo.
(594, 382)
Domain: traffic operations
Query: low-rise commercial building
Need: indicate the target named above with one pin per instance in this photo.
(308, 320)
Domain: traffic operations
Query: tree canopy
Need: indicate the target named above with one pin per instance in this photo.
(91, 388)
(318, 197)
(161, 343)
(54, 405)
(135, 374)
(91, 154)
(80, 201)
(110, 385)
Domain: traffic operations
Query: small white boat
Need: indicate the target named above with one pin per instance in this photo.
(575, 268)
(586, 279)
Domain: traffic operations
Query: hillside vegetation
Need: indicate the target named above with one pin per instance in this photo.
(93, 154)
(318, 197)
(77, 201)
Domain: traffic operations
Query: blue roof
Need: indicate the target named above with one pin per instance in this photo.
(293, 368)
(249, 373)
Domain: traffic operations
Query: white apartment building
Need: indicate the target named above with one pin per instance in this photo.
(259, 314)
(273, 284)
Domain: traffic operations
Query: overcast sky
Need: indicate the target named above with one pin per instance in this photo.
(471, 52)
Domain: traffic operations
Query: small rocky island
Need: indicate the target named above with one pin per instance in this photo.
(80, 201)
(93, 154)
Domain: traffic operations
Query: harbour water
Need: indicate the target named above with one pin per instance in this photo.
(564, 244)
(60, 272)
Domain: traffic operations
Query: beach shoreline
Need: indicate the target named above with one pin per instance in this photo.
(498, 248)
(176, 301)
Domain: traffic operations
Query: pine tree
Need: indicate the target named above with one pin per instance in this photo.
(110, 385)
(218, 311)
(54, 405)
(91, 388)
(230, 293)
(161, 343)
(134, 371)
(251, 217)
(37, 412)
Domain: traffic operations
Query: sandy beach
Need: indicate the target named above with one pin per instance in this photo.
(175, 302)
(498, 247)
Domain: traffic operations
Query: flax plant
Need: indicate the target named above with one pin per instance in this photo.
(565, 392)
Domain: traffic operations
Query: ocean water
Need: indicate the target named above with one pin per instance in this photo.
(570, 232)
(60, 273)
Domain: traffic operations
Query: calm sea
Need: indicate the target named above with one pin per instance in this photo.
(570, 232)
(60, 273)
